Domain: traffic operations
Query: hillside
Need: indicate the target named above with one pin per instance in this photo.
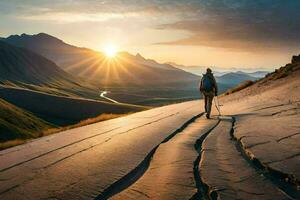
(285, 78)
(16, 123)
(23, 68)
(125, 69)
(234, 78)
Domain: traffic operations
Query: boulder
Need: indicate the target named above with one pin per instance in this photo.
(296, 59)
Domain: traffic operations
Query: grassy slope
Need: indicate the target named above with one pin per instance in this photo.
(18, 123)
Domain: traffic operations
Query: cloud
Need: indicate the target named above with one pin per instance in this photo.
(62, 17)
(93, 10)
(243, 25)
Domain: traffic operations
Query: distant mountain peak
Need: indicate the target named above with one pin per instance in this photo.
(65, 55)
(139, 56)
(45, 35)
(40, 37)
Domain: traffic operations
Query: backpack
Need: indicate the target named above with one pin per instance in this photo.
(207, 83)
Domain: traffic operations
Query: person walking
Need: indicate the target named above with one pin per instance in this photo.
(209, 89)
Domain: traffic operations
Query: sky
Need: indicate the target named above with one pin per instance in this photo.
(223, 33)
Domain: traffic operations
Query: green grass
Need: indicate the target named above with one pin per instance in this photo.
(16, 123)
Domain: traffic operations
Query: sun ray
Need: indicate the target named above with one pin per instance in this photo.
(81, 62)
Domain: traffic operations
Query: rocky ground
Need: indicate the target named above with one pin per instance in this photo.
(250, 152)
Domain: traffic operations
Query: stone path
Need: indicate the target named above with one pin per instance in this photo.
(171, 152)
(170, 174)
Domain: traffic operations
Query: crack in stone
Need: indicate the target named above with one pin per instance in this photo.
(257, 144)
(130, 178)
(178, 184)
(283, 111)
(142, 193)
(92, 146)
(203, 190)
(284, 182)
(286, 158)
(9, 189)
(48, 152)
(287, 137)
(259, 194)
(78, 141)
(268, 107)
(76, 153)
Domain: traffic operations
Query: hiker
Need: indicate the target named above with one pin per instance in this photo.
(209, 89)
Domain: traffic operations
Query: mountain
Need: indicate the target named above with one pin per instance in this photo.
(232, 79)
(125, 69)
(199, 70)
(23, 68)
(256, 74)
(282, 80)
(21, 65)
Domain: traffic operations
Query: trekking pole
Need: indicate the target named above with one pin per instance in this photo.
(217, 105)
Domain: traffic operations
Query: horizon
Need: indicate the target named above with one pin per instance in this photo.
(188, 68)
(190, 33)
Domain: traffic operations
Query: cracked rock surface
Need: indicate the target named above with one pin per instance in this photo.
(170, 175)
(81, 163)
(227, 173)
(267, 129)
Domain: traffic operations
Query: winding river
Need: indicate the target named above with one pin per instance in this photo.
(103, 93)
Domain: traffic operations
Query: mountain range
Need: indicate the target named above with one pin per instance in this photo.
(199, 70)
(232, 79)
(125, 69)
(24, 68)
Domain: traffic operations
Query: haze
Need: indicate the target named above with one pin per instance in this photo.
(245, 34)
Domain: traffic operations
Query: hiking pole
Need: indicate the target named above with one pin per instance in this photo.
(217, 105)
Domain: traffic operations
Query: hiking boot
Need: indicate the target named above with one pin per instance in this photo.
(207, 116)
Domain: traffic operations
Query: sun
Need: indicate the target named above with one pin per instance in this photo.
(110, 51)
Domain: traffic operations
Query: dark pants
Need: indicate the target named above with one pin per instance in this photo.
(208, 99)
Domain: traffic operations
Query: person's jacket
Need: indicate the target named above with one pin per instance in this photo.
(213, 81)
